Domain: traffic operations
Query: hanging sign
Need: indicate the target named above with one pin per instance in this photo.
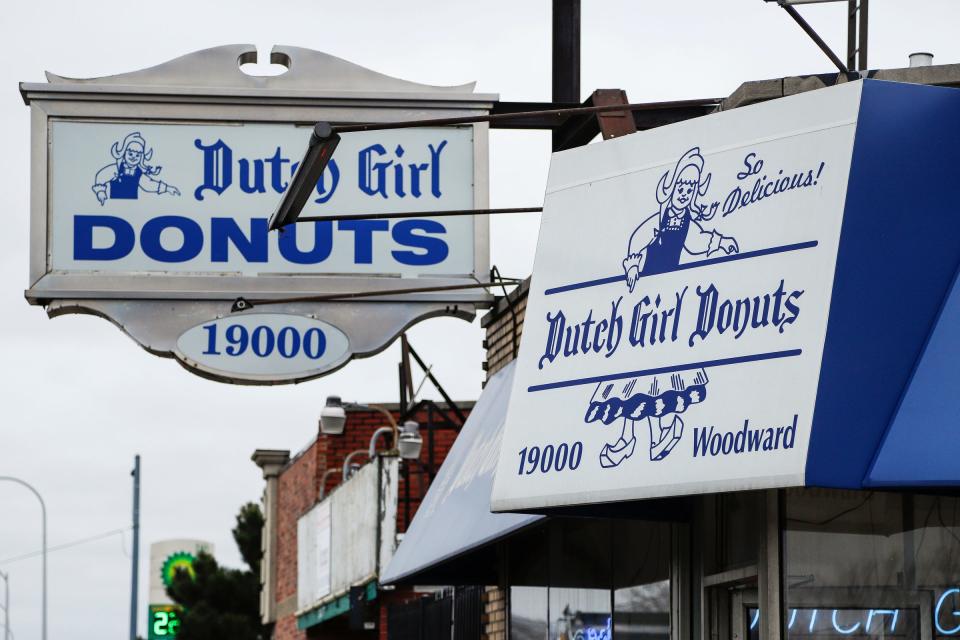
(678, 308)
(152, 192)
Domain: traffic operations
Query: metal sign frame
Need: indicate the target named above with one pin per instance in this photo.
(207, 87)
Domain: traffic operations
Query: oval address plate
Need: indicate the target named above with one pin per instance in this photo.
(263, 347)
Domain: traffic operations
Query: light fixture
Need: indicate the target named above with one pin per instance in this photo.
(333, 417)
(410, 442)
(323, 142)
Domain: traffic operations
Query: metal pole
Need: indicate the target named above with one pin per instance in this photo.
(566, 55)
(43, 513)
(417, 214)
(793, 13)
(6, 605)
(862, 39)
(852, 34)
(134, 582)
(560, 114)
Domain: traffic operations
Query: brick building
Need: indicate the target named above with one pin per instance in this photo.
(296, 484)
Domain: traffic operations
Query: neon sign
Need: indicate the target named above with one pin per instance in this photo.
(866, 622)
(590, 632)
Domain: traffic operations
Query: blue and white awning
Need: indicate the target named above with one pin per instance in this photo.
(763, 297)
(454, 518)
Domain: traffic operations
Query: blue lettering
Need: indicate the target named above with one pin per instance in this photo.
(373, 175)
(398, 174)
(190, 247)
(753, 166)
(557, 324)
(217, 167)
(226, 230)
(123, 238)
(435, 250)
(415, 170)
(363, 237)
(435, 168)
(322, 243)
(245, 185)
(700, 439)
(276, 165)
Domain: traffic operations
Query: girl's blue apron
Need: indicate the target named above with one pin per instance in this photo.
(126, 185)
(663, 254)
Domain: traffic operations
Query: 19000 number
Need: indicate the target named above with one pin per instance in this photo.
(262, 341)
(550, 458)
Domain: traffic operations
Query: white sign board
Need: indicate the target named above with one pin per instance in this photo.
(313, 555)
(151, 193)
(142, 197)
(678, 308)
(337, 540)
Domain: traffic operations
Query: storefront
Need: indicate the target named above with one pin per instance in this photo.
(749, 434)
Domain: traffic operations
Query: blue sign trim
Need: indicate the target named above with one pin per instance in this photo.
(926, 414)
(689, 265)
(898, 253)
(756, 357)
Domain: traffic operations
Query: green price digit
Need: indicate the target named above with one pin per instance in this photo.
(174, 624)
(164, 622)
(161, 620)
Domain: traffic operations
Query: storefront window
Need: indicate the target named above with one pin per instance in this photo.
(529, 570)
(641, 597)
(528, 613)
(581, 561)
(871, 565)
(580, 614)
(591, 579)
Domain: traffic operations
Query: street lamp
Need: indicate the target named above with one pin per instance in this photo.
(323, 482)
(43, 514)
(410, 441)
(333, 417)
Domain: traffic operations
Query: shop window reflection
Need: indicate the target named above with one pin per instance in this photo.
(528, 613)
(591, 579)
(580, 614)
(641, 597)
(872, 565)
(581, 562)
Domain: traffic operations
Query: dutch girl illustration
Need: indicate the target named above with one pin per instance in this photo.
(655, 246)
(130, 173)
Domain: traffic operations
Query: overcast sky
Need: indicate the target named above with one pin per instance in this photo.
(78, 398)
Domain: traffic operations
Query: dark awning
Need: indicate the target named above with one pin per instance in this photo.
(454, 520)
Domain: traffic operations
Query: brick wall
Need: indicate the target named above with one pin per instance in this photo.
(501, 339)
(299, 489)
(495, 613)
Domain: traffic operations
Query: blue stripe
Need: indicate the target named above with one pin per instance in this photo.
(690, 265)
(772, 355)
